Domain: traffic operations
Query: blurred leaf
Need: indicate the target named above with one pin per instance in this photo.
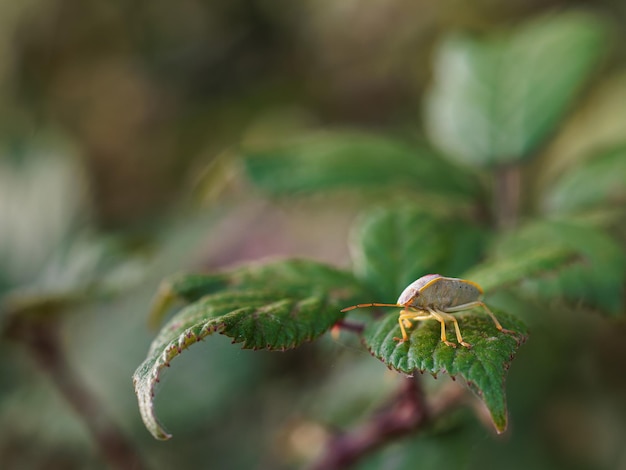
(260, 319)
(466, 246)
(557, 259)
(508, 270)
(596, 281)
(496, 100)
(391, 247)
(79, 271)
(294, 276)
(596, 181)
(333, 160)
(38, 307)
(90, 261)
(42, 200)
(483, 366)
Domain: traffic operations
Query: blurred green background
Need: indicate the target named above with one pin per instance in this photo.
(118, 126)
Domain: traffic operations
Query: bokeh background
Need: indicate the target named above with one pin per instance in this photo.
(118, 126)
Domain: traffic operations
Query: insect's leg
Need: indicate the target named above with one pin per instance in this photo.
(495, 320)
(371, 304)
(404, 322)
(401, 319)
(440, 319)
(404, 319)
(478, 303)
(453, 319)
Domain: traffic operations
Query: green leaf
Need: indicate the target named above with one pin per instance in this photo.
(274, 306)
(558, 260)
(43, 202)
(294, 276)
(496, 100)
(393, 246)
(80, 271)
(596, 181)
(483, 366)
(339, 160)
(509, 270)
(258, 319)
(596, 281)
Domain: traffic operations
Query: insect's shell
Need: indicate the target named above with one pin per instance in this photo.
(434, 290)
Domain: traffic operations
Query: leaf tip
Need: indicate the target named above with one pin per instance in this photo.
(161, 434)
(500, 424)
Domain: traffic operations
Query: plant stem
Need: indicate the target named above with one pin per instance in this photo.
(350, 326)
(42, 340)
(507, 196)
(405, 414)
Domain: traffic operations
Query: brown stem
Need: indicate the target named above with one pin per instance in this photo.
(42, 340)
(350, 326)
(406, 413)
(507, 196)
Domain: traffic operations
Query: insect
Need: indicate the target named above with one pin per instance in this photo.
(435, 297)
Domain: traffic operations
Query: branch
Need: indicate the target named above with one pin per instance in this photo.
(349, 326)
(42, 341)
(405, 414)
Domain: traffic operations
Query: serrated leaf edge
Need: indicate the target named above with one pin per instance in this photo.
(145, 389)
(471, 385)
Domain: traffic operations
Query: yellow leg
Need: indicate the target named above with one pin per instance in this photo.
(451, 318)
(478, 303)
(495, 320)
(404, 335)
(404, 320)
(440, 319)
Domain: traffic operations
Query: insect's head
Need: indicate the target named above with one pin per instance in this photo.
(408, 296)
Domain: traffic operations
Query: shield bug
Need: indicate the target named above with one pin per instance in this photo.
(435, 297)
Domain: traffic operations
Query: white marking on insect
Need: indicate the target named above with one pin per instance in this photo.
(435, 297)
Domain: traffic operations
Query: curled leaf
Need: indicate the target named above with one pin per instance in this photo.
(274, 306)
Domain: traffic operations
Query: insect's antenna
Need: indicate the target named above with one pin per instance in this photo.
(373, 304)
